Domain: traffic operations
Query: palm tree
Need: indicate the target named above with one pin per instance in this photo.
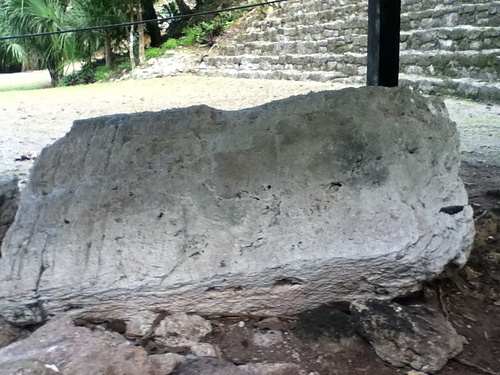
(11, 53)
(89, 13)
(21, 17)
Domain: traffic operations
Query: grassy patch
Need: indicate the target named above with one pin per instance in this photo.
(95, 71)
(170, 44)
(27, 87)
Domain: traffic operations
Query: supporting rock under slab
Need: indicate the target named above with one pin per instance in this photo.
(407, 335)
(212, 366)
(9, 200)
(9, 333)
(60, 347)
(339, 195)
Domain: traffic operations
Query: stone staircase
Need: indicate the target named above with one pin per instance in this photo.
(299, 40)
(447, 46)
(452, 47)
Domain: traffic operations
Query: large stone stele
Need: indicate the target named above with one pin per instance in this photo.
(336, 195)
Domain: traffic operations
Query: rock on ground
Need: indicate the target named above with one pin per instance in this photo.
(212, 366)
(272, 210)
(60, 347)
(412, 335)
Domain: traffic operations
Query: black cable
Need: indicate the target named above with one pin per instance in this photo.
(157, 20)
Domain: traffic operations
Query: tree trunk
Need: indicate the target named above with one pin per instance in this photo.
(140, 27)
(183, 7)
(55, 76)
(131, 39)
(108, 51)
(149, 13)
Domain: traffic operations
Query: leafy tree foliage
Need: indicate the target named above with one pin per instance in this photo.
(20, 17)
(90, 13)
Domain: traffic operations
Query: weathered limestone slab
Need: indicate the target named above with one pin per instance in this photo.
(338, 195)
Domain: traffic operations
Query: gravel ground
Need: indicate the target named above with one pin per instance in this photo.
(30, 120)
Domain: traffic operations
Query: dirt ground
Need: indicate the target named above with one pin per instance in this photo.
(320, 340)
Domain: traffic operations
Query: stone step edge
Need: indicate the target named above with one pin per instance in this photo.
(348, 57)
(408, 33)
(447, 7)
(280, 13)
(288, 74)
(292, 18)
(291, 55)
(407, 53)
(251, 38)
(403, 53)
(460, 87)
(330, 25)
(285, 10)
(257, 43)
(439, 2)
(452, 28)
(450, 53)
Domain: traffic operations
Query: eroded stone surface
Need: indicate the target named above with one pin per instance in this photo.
(412, 335)
(271, 210)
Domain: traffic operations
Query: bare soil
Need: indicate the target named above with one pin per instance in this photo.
(321, 340)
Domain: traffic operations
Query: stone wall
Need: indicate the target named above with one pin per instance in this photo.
(445, 45)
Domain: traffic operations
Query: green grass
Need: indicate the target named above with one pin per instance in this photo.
(25, 87)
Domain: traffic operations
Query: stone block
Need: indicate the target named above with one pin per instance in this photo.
(271, 210)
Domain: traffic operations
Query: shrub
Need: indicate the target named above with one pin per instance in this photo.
(101, 72)
(83, 76)
(151, 53)
(94, 71)
(193, 35)
(125, 65)
(170, 44)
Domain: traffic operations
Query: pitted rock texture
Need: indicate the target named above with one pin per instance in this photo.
(338, 195)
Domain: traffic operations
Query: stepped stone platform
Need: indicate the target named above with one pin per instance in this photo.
(447, 46)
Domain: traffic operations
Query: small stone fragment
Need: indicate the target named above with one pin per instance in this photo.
(490, 240)
(203, 349)
(140, 324)
(181, 329)
(165, 364)
(274, 324)
(267, 339)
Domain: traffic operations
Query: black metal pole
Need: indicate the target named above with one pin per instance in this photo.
(383, 42)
